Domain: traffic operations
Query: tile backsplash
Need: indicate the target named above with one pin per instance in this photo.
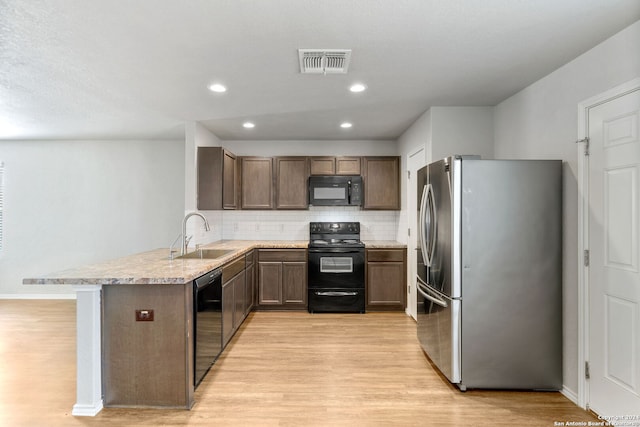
(294, 225)
(288, 225)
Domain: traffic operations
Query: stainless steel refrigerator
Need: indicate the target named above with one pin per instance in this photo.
(490, 271)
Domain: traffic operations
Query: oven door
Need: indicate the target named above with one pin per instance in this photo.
(331, 268)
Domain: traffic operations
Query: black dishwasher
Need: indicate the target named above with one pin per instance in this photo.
(207, 322)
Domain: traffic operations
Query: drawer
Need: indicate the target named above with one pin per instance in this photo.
(385, 255)
(230, 269)
(282, 255)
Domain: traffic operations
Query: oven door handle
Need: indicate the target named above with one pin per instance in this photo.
(335, 294)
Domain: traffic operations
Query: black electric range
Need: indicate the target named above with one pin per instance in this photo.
(336, 268)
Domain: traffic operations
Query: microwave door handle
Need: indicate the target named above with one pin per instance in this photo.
(349, 192)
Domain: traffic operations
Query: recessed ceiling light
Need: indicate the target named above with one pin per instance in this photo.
(357, 87)
(248, 125)
(345, 125)
(218, 88)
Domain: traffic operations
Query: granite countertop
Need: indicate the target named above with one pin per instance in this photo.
(384, 244)
(155, 267)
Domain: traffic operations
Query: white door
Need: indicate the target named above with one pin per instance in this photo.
(414, 162)
(614, 278)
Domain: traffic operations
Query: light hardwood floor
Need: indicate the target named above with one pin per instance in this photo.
(281, 369)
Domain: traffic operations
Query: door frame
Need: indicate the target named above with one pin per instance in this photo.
(411, 291)
(583, 229)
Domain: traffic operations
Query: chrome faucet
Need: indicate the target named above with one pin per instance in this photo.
(185, 239)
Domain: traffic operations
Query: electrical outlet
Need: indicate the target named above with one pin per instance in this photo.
(144, 315)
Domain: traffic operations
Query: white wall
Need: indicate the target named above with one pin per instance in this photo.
(196, 135)
(416, 137)
(442, 132)
(312, 148)
(461, 130)
(541, 122)
(70, 203)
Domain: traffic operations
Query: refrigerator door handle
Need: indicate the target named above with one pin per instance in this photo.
(423, 289)
(427, 235)
(431, 222)
(421, 220)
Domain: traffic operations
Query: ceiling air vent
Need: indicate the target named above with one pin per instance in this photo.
(324, 61)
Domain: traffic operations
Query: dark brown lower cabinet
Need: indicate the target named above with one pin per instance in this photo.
(386, 278)
(228, 309)
(234, 297)
(239, 297)
(250, 281)
(282, 279)
(147, 363)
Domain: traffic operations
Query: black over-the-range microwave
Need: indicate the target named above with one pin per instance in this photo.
(335, 190)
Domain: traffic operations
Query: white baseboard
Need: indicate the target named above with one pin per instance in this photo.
(569, 394)
(84, 410)
(38, 296)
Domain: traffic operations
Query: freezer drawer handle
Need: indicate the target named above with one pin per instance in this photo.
(336, 294)
(431, 298)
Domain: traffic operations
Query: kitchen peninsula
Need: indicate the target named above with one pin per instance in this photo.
(169, 283)
(144, 282)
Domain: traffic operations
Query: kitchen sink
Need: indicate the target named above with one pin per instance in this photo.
(206, 254)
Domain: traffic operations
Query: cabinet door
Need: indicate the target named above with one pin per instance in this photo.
(154, 355)
(229, 181)
(385, 284)
(209, 178)
(348, 166)
(270, 283)
(250, 293)
(381, 183)
(294, 282)
(228, 309)
(257, 183)
(217, 179)
(323, 165)
(239, 300)
(292, 174)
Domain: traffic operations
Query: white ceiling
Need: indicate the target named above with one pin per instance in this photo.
(139, 69)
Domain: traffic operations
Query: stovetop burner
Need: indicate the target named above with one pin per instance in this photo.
(335, 234)
(337, 242)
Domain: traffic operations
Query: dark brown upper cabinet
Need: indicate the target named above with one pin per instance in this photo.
(217, 179)
(381, 176)
(256, 183)
(292, 174)
(335, 165)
